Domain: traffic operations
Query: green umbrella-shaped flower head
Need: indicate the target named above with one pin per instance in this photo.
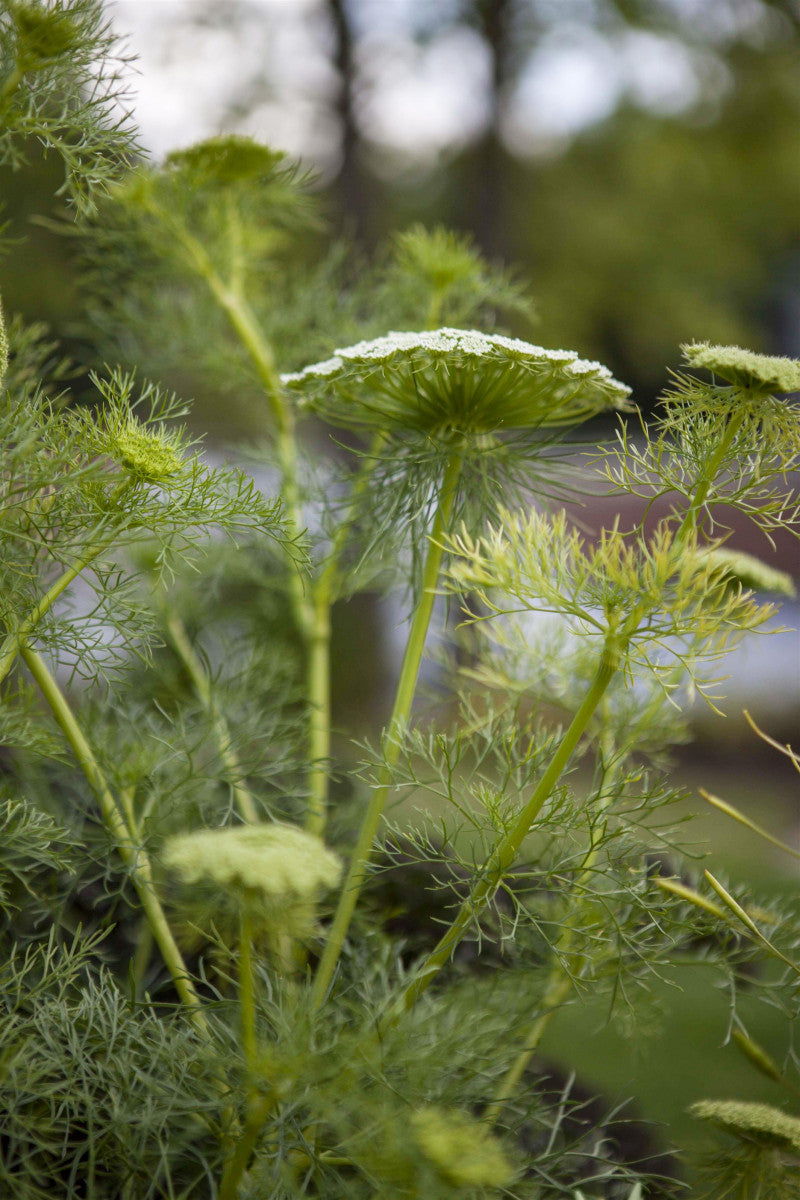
(745, 369)
(226, 160)
(281, 863)
(455, 380)
(755, 1123)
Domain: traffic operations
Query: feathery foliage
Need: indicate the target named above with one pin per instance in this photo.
(239, 959)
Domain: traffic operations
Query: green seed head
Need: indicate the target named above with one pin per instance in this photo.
(460, 1149)
(744, 368)
(757, 1124)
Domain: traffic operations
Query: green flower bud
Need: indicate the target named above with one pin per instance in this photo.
(439, 256)
(757, 1124)
(456, 380)
(744, 368)
(147, 456)
(226, 160)
(43, 34)
(464, 1152)
(282, 863)
(750, 572)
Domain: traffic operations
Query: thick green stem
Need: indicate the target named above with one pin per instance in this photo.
(242, 796)
(237, 1164)
(247, 992)
(319, 699)
(392, 740)
(10, 86)
(503, 855)
(319, 687)
(134, 856)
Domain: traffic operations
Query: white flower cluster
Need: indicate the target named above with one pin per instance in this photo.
(467, 343)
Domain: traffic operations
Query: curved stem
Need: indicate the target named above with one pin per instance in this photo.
(242, 797)
(392, 740)
(13, 641)
(245, 325)
(134, 856)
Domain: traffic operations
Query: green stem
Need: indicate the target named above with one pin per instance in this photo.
(247, 992)
(319, 699)
(392, 740)
(10, 86)
(237, 1164)
(13, 641)
(245, 325)
(242, 797)
(559, 983)
(319, 687)
(134, 856)
(433, 317)
(713, 465)
(509, 845)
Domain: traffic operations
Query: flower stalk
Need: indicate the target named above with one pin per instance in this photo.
(392, 741)
(134, 856)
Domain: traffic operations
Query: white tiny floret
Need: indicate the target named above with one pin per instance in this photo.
(317, 370)
(457, 380)
(469, 342)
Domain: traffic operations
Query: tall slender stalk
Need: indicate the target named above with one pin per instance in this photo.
(560, 979)
(712, 467)
(392, 741)
(506, 850)
(319, 665)
(134, 856)
(247, 995)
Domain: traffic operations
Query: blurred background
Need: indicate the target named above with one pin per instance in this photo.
(637, 164)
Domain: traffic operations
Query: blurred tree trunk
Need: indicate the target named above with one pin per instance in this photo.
(490, 162)
(351, 183)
